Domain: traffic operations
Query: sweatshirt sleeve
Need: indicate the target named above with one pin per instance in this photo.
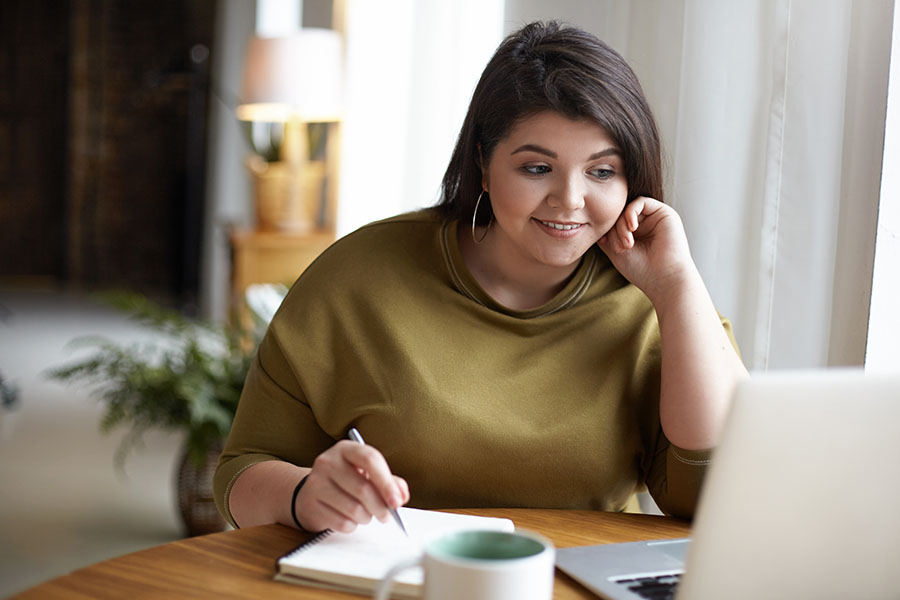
(273, 422)
(676, 477)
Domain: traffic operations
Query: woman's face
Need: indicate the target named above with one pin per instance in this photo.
(556, 186)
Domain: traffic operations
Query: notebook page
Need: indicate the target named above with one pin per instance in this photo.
(372, 549)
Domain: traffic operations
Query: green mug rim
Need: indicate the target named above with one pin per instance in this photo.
(490, 546)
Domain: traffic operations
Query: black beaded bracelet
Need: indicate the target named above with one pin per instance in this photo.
(294, 502)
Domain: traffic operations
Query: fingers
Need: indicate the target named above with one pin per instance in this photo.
(404, 488)
(355, 495)
(339, 513)
(349, 484)
(622, 235)
(371, 462)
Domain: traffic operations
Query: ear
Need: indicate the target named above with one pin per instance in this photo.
(484, 172)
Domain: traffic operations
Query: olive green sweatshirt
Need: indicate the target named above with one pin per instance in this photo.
(474, 404)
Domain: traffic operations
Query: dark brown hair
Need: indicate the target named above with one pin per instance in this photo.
(559, 68)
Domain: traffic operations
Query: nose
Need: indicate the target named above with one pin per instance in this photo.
(569, 194)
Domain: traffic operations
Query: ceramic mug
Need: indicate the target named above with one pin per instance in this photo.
(482, 565)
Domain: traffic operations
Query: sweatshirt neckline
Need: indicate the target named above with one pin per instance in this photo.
(467, 285)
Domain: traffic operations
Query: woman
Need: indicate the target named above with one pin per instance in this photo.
(540, 338)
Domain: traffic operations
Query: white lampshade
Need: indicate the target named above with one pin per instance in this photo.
(294, 77)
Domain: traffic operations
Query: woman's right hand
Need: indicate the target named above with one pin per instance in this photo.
(348, 485)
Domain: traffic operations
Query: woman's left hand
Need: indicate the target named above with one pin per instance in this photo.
(648, 246)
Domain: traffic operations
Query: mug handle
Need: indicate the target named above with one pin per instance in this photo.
(383, 591)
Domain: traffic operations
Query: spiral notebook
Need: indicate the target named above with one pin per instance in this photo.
(356, 562)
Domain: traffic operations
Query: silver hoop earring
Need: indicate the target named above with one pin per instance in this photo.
(474, 215)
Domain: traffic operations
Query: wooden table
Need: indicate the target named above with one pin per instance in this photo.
(241, 563)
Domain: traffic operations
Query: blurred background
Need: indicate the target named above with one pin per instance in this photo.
(189, 150)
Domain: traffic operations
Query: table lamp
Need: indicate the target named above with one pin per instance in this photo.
(291, 80)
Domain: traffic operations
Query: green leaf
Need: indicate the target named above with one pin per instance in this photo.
(188, 375)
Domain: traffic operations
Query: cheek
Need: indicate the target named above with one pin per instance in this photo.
(607, 207)
(513, 198)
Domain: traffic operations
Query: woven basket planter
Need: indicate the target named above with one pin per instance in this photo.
(195, 494)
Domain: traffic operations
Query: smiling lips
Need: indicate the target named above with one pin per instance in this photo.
(560, 228)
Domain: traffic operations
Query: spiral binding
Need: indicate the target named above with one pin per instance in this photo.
(315, 539)
(310, 542)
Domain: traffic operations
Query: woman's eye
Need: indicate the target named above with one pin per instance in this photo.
(602, 173)
(536, 169)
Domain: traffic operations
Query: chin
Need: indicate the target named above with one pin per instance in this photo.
(560, 261)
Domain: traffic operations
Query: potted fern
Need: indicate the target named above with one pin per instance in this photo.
(9, 394)
(186, 375)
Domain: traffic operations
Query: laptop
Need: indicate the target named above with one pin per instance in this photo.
(799, 502)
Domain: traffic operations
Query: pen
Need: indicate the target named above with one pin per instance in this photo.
(354, 435)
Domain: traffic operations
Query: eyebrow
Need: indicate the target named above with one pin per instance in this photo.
(611, 151)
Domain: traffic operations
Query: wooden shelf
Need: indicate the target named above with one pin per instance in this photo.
(270, 257)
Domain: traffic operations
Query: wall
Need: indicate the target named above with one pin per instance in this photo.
(228, 189)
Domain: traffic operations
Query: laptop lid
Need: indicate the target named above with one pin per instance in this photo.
(801, 498)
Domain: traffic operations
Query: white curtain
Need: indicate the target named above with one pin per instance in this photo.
(772, 116)
(884, 320)
(411, 69)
